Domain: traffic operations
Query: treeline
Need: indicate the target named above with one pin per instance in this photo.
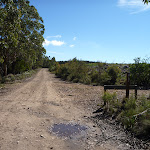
(102, 73)
(83, 72)
(21, 37)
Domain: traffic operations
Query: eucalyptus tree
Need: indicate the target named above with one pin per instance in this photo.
(9, 32)
(21, 33)
(146, 1)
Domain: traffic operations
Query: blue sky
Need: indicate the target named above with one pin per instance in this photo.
(113, 31)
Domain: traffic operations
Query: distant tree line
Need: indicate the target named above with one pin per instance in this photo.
(86, 72)
(21, 37)
(99, 73)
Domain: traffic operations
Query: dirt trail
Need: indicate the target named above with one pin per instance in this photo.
(30, 109)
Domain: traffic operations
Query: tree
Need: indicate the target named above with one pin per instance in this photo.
(46, 62)
(21, 33)
(9, 30)
(146, 1)
(140, 73)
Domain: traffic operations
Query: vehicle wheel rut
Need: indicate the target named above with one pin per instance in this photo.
(29, 111)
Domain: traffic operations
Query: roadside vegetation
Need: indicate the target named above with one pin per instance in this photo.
(133, 114)
(21, 40)
(99, 73)
(85, 72)
(21, 51)
(10, 78)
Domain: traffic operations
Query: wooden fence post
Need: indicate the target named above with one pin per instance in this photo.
(127, 85)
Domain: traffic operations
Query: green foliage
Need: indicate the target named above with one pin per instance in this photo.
(21, 66)
(96, 73)
(110, 75)
(52, 65)
(46, 62)
(146, 1)
(140, 73)
(134, 114)
(93, 73)
(75, 71)
(113, 72)
(112, 104)
(11, 78)
(21, 31)
(8, 78)
(121, 79)
(62, 72)
(1, 60)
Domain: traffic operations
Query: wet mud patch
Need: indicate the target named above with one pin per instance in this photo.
(68, 130)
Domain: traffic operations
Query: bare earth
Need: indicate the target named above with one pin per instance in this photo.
(28, 111)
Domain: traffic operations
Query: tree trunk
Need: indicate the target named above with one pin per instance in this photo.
(5, 68)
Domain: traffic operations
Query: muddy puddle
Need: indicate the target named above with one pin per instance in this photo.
(68, 130)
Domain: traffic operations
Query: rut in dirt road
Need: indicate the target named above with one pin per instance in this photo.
(32, 111)
(27, 113)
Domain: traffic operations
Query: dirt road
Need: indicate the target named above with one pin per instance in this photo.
(30, 111)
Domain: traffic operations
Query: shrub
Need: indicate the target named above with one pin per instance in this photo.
(75, 71)
(140, 73)
(133, 114)
(105, 79)
(113, 72)
(62, 72)
(112, 104)
(8, 78)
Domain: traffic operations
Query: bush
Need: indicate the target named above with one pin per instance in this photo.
(75, 71)
(112, 104)
(133, 114)
(12, 78)
(8, 78)
(140, 73)
(105, 79)
(62, 72)
(113, 72)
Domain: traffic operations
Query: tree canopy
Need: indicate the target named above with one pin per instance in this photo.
(146, 1)
(21, 35)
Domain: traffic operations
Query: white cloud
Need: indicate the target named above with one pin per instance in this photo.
(46, 43)
(56, 36)
(72, 46)
(57, 43)
(53, 42)
(135, 6)
(74, 38)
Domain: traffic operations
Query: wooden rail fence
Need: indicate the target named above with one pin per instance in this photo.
(126, 87)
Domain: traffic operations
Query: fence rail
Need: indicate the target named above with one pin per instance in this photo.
(122, 87)
(126, 87)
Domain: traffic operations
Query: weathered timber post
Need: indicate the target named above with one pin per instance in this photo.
(127, 85)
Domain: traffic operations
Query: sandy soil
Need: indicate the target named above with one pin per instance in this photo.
(28, 111)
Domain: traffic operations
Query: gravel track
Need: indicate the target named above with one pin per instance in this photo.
(28, 111)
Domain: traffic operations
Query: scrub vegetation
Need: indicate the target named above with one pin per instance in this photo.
(133, 114)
